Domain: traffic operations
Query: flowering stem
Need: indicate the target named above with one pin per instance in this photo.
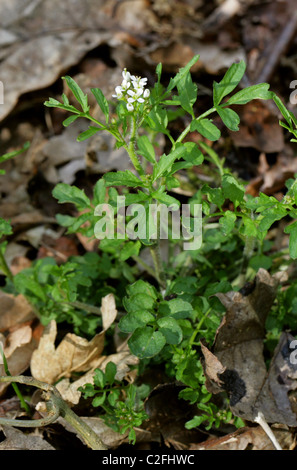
(131, 147)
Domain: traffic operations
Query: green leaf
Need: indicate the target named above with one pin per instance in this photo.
(138, 301)
(192, 154)
(169, 327)
(229, 117)
(66, 193)
(206, 128)
(70, 120)
(102, 101)
(145, 342)
(165, 198)
(78, 93)
(142, 287)
(232, 189)
(14, 153)
(214, 195)
(187, 93)
(99, 378)
(271, 216)
(99, 192)
(52, 103)
(146, 148)
(98, 401)
(182, 73)
(134, 320)
(292, 230)
(254, 92)
(227, 222)
(158, 120)
(283, 109)
(175, 308)
(122, 178)
(88, 133)
(130, 249)
(230, 81)
(166, 161)
(110, 372)
(5, 227)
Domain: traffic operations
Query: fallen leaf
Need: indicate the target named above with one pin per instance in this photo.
(14, 310)
(74, 353)
(18, 348)
(236, 363)
(17, 440)
(69, 390)
(248, 439)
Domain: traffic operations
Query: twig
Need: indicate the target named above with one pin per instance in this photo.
(262, 422)
(56, 407)
(279, 48)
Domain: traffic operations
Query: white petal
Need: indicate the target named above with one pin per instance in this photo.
(140, 100)
(131, 93)
(130, 107)
(131, 100)
(146, 93)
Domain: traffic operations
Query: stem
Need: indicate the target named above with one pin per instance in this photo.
(57, 407)
(131, 147)
(193, 337)
(145, 266)
(4, 266)
(156, 255)
(14, 385)
(188, 128)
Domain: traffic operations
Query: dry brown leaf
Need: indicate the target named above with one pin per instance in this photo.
(17, 440)
(237, 363)
(74, 353)
(248, 439)
(18, 348)
(14, 310)
(123, 360)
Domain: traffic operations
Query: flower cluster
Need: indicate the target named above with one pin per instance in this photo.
(132, 90)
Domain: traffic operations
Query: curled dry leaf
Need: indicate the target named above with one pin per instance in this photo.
(236, 363)
(123, 360)
(74, 353)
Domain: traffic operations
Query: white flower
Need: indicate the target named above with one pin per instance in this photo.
(146, 93)
(135, 96)
(125, 85)
(130, 107)
(119, 92)
(126, 75)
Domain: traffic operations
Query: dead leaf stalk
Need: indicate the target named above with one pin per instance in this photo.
(56, 407)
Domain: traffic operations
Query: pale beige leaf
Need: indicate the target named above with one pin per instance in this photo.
(109, 311)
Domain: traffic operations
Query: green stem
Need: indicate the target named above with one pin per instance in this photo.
(193, 337)
(188, 128)
(57, 407)
(14, 385)
(4, 266)
(131, 147)
(145, 266)
(156, 255)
